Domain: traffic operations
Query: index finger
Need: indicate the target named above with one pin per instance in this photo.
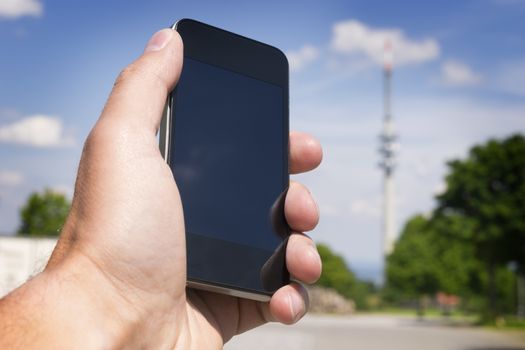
(305, 152)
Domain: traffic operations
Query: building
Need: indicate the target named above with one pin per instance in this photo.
(21, 258)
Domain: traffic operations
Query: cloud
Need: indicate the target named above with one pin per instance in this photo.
(19, 8)
(10, 178)
(36, 131)
(302, 57)
(354, 38)
(455, 73)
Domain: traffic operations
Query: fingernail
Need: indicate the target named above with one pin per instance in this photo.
(297, 307)
(159, 40)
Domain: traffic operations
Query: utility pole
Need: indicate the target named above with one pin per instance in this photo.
(387, 151)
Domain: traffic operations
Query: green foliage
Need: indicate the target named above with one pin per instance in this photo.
(412, 269)
(464, 247)
(335, 273)
(488, 188)
(506, 290)
(459, 271)
(429, 257)
(44, 214)
(338, 276)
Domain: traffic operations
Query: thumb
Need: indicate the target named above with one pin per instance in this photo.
(141, 89)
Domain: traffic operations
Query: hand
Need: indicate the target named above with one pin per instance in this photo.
(122, 251)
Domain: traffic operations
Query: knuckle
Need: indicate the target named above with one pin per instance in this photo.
(127, 74)
(99, 137)
(92, 140)
(141, 73)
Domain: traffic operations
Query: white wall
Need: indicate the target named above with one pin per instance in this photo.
(21, 258)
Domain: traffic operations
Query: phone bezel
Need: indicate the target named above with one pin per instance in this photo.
(239, 54)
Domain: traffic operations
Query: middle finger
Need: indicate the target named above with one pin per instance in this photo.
(300, 209)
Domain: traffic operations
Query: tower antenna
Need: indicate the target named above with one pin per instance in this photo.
(387, 151)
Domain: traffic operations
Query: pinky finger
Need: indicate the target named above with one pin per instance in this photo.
(289, 304)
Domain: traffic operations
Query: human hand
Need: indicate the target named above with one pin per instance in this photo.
(122, 249)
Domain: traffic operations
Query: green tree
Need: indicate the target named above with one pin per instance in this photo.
(431, 255)
(460, 272)
(487, 189)
(412, 270)
(337, 275)
(44, 214)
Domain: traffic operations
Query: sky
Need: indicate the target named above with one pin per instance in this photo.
(458, 80)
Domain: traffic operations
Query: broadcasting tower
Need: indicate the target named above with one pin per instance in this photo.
(387, 151)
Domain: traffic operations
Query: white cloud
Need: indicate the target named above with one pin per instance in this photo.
(302, 57)
(19, 8)
(354, 38)
(10, 178)
(36, 131)
(456, 73)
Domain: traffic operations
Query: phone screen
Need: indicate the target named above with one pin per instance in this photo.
(227, 155)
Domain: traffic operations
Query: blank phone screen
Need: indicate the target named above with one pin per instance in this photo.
(227, 154)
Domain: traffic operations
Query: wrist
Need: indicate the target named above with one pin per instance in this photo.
(82, 296)
(54, 310)
(71, 304)
(111, 313)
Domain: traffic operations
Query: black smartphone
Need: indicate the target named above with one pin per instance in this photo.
(225, 137)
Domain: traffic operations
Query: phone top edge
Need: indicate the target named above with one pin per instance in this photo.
(279, 51)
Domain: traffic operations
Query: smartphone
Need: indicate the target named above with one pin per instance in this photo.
(225, 136)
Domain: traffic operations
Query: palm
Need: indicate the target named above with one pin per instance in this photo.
(224, 315)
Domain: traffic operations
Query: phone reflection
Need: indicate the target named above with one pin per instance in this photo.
(274, 273)
(277, 217)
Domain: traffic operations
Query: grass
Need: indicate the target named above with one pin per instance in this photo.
(505, 322)
(456, 318)
(430, 312)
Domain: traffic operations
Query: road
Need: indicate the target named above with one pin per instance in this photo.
(371, 332)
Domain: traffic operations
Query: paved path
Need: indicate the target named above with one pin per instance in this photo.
(371, 333)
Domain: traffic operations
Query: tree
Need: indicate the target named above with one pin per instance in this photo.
(338, 276)
(460, 272)
(411, 268)
(44, 214)
(430, 256)
(487, 189)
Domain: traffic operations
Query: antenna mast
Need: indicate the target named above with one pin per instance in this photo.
(387, 151)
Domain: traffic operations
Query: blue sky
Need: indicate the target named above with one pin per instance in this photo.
(459, 78)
